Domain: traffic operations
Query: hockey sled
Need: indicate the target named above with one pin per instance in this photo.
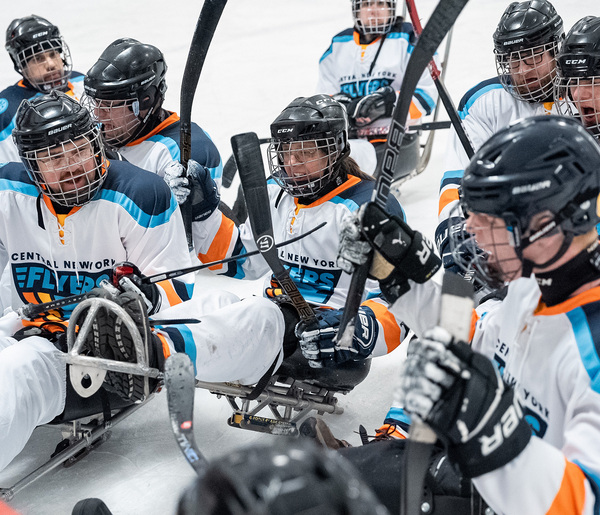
(87, 422)
(292, 393)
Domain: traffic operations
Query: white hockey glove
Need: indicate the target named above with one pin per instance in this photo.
(175, 177)
(400, 252)
(317, 345)
(461, 396)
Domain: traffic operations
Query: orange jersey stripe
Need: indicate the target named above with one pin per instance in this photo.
(220, 244)
(571, 495)
(172, 296)
(449, 195)
(414, 112)
(391, 329)
(586, 297)
(165, 346)
(173, 117)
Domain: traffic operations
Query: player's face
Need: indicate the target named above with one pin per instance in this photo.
(374, 14)
(303, 161)
(118, 120)
(532, 70)
(45, 68)
(585, 94)
(68, 167)
(493, 237)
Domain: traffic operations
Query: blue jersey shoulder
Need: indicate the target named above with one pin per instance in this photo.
(204, 151)
(143, 194)
(362, 192)
(477, 91)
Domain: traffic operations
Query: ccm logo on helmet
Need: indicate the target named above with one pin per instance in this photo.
(575, 61)
(59, 129)
(528, 188)
(285, 130)
(40, 34)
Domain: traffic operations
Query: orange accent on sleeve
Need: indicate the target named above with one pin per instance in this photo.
(570, 498)
(391, 329)
(30, 298)
(165, 346)
(414, 112)
(474, 319)
(169, 290)
(448, 196)
(220, 244)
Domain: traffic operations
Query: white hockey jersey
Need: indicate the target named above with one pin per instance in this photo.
(549, 355)
(484, 110)
(311, 261)
(357, 69)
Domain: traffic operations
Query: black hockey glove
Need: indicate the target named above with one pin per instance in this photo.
(316, 342)
(461, 396)
(374, 106)
(343, 99)
(204, 194)
(127, 277)
(401, 252)
(458, 254)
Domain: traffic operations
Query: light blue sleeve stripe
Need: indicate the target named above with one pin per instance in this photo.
(426, 97)
(398, 414)
(170, 143)
(453, 174)
(142, 218)
(20, 187)
(585, 344)
(465, 110)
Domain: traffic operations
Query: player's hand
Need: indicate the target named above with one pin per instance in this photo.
(461, 396)
(400, 252)
(205, 195)
(175, 177)
(127, 277)
(317, 341)
(371, 107)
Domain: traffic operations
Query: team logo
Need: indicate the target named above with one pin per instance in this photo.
(3, 105)
(265, 243)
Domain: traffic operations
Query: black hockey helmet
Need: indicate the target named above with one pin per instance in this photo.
(543, 163)
(319, 121)
(580, 52)
(128, 69)
(525, 25)
(376, 27)
(286, 478)
(56, 132)
(30, 36)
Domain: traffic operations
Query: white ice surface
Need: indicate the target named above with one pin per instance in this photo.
(263, 55)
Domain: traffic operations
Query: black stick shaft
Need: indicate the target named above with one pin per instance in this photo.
(205, 29)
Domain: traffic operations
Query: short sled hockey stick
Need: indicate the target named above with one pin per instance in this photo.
(180, 382)
(205, 29)
(456, 311)
(246, 148)
(437, 27)
(436, 75)
(30, 311)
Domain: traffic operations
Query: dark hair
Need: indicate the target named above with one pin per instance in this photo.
(350, 166)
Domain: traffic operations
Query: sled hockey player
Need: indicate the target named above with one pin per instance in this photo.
(363, 69)
(41, 56)
(313, 179)
(125, 90)
(69, 219)
(528, 430)
(577, 91)
(526, 42)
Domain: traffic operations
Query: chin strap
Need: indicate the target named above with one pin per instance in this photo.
(558, 284)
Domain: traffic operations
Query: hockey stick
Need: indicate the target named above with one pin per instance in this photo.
(246, 148)
(180, 381)
(437, 27)
(442, 91)
(205, 29)
(31, 311)
(456, 309)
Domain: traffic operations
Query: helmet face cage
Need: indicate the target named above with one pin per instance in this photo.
(39, 52)
(528, 74)
(579, 97)
(370, 16)
(303, 167)
(483, 267)
(120, 120)
(71, 172)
